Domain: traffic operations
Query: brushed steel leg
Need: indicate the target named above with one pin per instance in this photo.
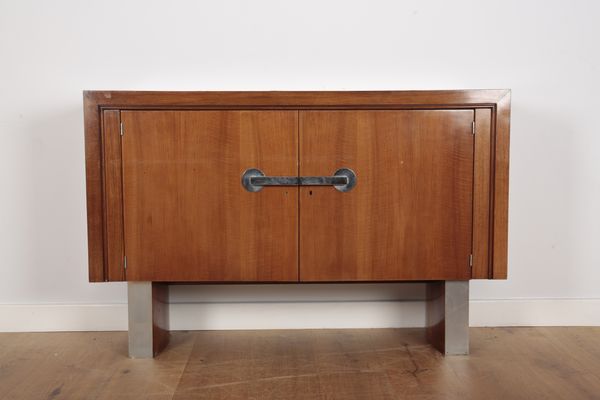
(148, 310)
(448, 316)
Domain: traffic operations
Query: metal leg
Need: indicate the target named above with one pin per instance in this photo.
(448, 316)
(148, 318)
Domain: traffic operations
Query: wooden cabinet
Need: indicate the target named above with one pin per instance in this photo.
(166, 201)
(187, 216)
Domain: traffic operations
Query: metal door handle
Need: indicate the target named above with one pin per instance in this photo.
(344, 179)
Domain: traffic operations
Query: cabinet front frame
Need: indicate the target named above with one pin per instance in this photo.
(102, 146)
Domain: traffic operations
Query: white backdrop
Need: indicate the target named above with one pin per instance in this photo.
(548, 55)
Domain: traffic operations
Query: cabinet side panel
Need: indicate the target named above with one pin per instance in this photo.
(113, 199)
(481, 194)
(93, 175)
(500, 212)
(352, 99)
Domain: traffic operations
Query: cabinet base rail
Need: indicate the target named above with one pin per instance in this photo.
(447, 317)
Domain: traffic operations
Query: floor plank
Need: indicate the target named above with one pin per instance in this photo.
(505, 363)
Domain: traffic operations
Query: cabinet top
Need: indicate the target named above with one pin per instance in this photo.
(298, 99)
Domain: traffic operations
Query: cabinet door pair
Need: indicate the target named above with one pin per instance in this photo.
(187, 216)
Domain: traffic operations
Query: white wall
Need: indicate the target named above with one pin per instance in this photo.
(546, 52)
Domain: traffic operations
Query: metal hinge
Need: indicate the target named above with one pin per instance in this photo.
(124, 262)
(122, 130)
(471, 260)
(472, 131)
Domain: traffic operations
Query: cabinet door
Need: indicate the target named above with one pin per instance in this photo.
(409, 216)
(187, 216)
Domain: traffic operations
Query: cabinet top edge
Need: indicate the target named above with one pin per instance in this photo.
(475, 97)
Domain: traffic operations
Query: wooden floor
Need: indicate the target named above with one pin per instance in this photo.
(505, 363)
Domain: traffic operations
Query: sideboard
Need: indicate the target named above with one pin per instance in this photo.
(297, 187)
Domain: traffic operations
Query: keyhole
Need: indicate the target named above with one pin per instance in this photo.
(310, 192)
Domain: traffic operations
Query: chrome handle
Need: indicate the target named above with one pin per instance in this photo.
(253, 180)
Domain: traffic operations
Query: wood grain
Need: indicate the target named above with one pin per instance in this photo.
(299, 99)
(505, 363)
(187, 216)
(97, 102)
(481, 195)
(94, 184)
(113, 200)
(409, 216)
(500, 198)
